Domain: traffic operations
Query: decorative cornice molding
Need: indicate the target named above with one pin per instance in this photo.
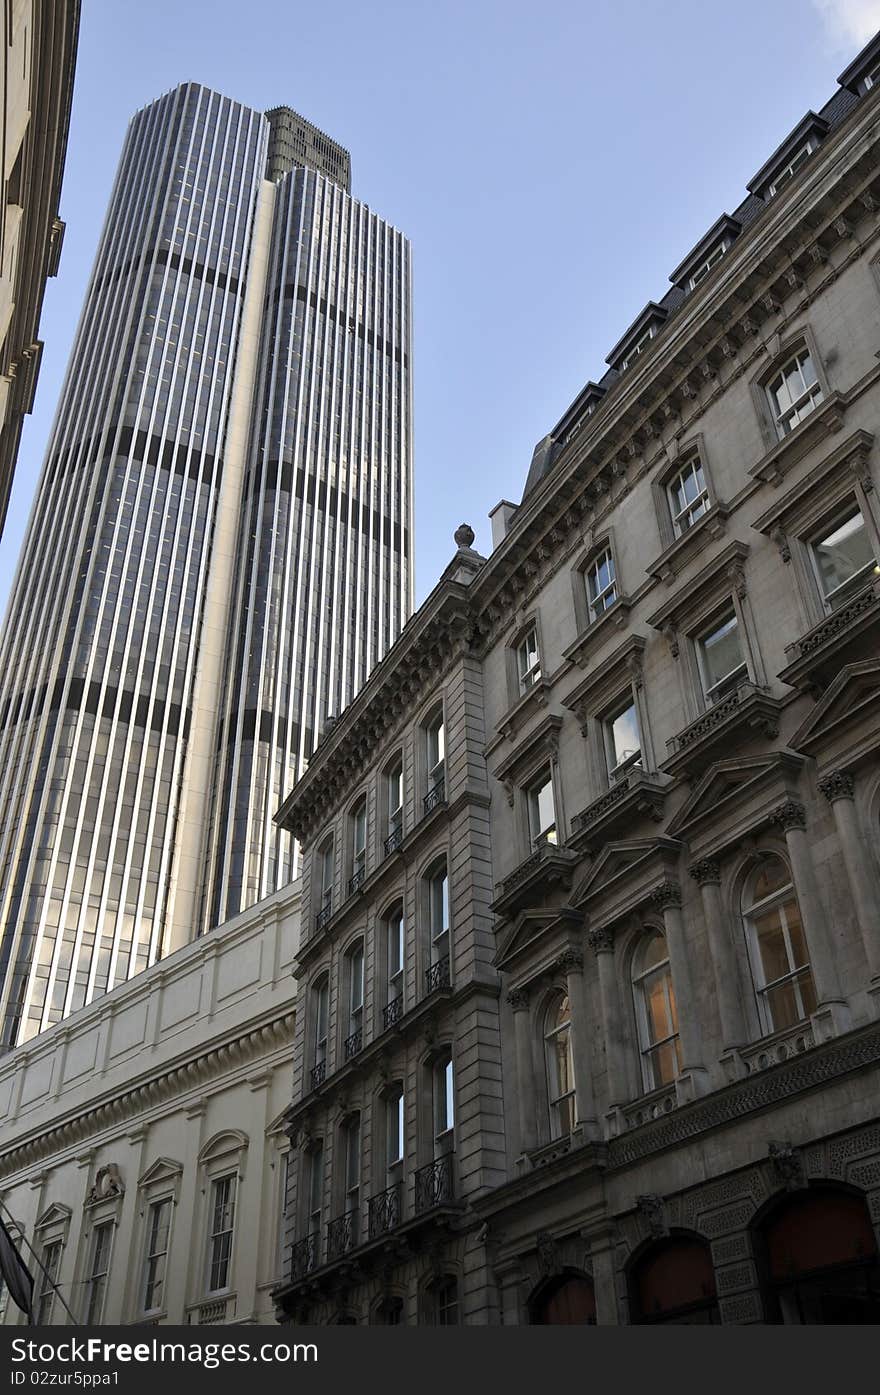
(176, 1080)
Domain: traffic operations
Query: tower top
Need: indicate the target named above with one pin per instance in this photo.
(294, 141)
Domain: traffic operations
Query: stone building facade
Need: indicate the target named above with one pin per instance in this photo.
(587, 1023)
(143, 1152)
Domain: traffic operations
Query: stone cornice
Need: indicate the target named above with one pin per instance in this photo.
(176, 1078)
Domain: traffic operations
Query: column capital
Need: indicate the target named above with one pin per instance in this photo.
(571, 961)
(791, 814)
(518, 999)
(706, 872)
(601, 940)
(666, 895)
(837, 784)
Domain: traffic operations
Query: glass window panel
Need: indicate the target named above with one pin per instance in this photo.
(722, 653)
(624, 733)
(844, 553)
(771, 945)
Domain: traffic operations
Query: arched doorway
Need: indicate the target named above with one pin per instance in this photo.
(567, 1300)
(818, 1257)
(673, 1281)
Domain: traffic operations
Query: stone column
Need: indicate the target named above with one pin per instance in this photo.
(602, 943)
(525, 1079)
(571, 963)
(667, 898)
(837, 788)
(604, 1281)
(791, 817)
(707, 874)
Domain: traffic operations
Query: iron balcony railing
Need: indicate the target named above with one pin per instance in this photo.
(353, 1044)
(383, 1211)
(393, 841)
(435, 1184)
(323, 917)
(305, 1255)
(356, 881)
(392, 1014)
(435, 796)
(437, 976)
(318, 1074)
(342, 1235)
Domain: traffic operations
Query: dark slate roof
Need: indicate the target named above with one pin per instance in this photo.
(831, 115)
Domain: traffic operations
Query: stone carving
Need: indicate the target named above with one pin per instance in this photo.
(548, 1259)
(778, 538)
(652, 1210)
(670, 634)
(788, 1165)
(570, 961)
(836, 785)
(666, 895)
(706, 872)
(464, 535)
(791, 814)
(518, 999)
(107, 1185)
(601, 940)
(737, 577)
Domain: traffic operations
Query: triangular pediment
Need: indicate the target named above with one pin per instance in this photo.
(617, 860)
(725, 783)
(527, 929)
(162, 1170)
(56, 1214)
(849, 696)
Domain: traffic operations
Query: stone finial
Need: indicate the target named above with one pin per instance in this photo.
(464, 535)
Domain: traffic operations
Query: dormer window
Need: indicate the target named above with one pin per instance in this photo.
(789, 170)
(707, 253)
(863, 73)
(528, 661)
(638, 347)
(706, 266)
(872, 78)
(637, 338)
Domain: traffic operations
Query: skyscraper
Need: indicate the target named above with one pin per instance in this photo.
(219, 550)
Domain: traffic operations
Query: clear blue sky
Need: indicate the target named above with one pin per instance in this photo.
(551, 162)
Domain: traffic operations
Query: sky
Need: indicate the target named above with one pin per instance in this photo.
(551, 163)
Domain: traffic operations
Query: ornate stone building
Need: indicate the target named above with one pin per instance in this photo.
(587, 1024)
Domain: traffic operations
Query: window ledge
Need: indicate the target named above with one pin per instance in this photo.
(211, 1311)
(824, 421)
(746, 710)
(616, 617)
(536, 697)
(644, 1110)
(773, 1050)
(843, 637)
(549, 1152)
(637, 794)
(674, 558)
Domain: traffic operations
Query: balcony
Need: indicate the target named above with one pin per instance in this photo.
(354, 1043)
(342, 1235)
(305, 1256)
(437, 976)
(434, 798)
(773, 1050)
(383, 1211)
(394, 840)
(318, 1075)
(848, 634)
(635, 795)
(392, 1013)
(323, 917)
(656, 1105)
(356, 881)
(548, 867)
(435, 1184)
(734, 719)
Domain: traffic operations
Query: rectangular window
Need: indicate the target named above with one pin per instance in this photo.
(353, 1165)
(788, 172)
(843, 558)
(438, 912)
(444, 1106)
(356, 989)
(395, 956)
(46, 1281)
(601, 587)
(712, 260)
(102, 1237)
(528, 664)
(542, 812)
(395, 798)
(794, 393)
(359, 840)
(436, 750)
(722, 665)
(688, 496)
(622, 741)
(326, 875)
(395, 1130)
(322, 1010)
(222, 1223)
(638, 348)
(158, 1228)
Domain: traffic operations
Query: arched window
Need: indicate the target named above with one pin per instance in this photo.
(343, 1232)
(818, 1256)
(674, 1281)
(323, 900)
(560, 1068)
(395, 946)
(389, 1312)
(443, 1090)
(777, 947)
(437, 892)
(435, 757)
(568, 1300)
(320, 1017)
(354, 1038)
(656, 1013)
(394, 805)
(441, 1302)
(358, 818)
